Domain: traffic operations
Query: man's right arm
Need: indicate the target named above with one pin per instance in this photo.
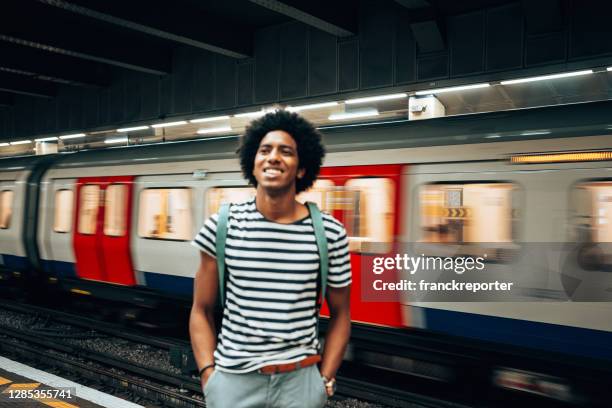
(202, 318)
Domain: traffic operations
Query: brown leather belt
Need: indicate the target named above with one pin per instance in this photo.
(285, 368)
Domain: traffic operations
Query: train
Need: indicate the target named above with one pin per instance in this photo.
(116, 224)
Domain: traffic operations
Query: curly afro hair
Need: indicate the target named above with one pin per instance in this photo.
(308, 140)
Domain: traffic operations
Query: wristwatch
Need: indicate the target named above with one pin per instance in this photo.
(330, 385)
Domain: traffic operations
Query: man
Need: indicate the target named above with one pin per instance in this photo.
(267, 349)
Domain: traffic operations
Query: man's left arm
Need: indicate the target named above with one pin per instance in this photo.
(339, 329)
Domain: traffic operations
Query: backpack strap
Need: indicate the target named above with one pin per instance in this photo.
(220, 249)
(321, 238)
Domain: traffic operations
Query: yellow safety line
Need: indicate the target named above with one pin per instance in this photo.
(57, 404)
(22, 386)
(30, 386)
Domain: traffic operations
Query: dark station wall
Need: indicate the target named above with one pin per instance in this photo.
(293, 61)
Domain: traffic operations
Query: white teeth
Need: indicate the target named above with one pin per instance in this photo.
(273, 171)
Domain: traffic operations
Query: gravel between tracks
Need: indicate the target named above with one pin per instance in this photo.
(140, 354)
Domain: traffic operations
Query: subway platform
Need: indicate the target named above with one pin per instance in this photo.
(24, 387)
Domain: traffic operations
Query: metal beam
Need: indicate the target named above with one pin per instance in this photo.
(414, 4)
(51, 30)
(305, 17)
(53, 67)
(222, 44)
(18, 84)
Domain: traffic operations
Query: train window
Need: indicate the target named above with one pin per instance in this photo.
(478, 212)
(592, 202)
(64, 201)
(6, 208)
(219, 195)
(368, 205)
(321, 193)
(165, 213)
(89, 203)
(115, 204)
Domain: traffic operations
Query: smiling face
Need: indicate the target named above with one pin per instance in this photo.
(276, 164)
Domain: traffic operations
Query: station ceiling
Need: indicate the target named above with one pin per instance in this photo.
(51, 47)
(46, 44)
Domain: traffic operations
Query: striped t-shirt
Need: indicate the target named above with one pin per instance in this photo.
(269, 316)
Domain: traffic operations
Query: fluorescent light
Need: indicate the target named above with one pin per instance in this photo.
(215, 130)
(376, 98)
(46, 139)
(535, 132)
(545, 77)
(492, 137)
(609, 68)
(452, 89)
(74, 136)
(19, 142)
(250, 114)
(3, 144)
(312, 106)
(353, 115)
(212, 119)
(123, 139)
(169, 124)
(132, 129)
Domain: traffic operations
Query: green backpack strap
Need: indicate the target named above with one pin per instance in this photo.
(220, 249)
(321, 238)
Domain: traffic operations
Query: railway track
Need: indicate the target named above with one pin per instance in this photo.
(41, 345)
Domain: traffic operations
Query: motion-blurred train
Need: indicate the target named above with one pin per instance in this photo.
(116, 223)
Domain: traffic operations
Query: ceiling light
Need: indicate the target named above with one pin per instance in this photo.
(545, 77)
(74, 136)
(132, 129)
(3, 144)
(212, 119)
(46, 139)
(250, 114)
(169, 124)
(353, 115)
(215, 130)
(535, 132)
(609, 68)
(452, 89)
(19, 142)
(376, 98)
(312, 106)
(116, 140)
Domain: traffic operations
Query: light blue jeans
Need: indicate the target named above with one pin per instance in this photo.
(301, 388)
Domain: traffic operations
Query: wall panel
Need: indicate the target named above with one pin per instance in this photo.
(293, 61)
(376, 43)
(504, 37)
(245, 82)
(182, 84)
(322, 63)
(466, 43)
(225, 82)
(203, 82)
(267, 60)
(348, 65)
(405, 52)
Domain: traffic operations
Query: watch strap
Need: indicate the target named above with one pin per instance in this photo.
(206, 367)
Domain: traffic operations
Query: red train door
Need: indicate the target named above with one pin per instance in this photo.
(102, 229)
(366, 200)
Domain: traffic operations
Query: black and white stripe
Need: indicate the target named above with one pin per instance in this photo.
(272, 271)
